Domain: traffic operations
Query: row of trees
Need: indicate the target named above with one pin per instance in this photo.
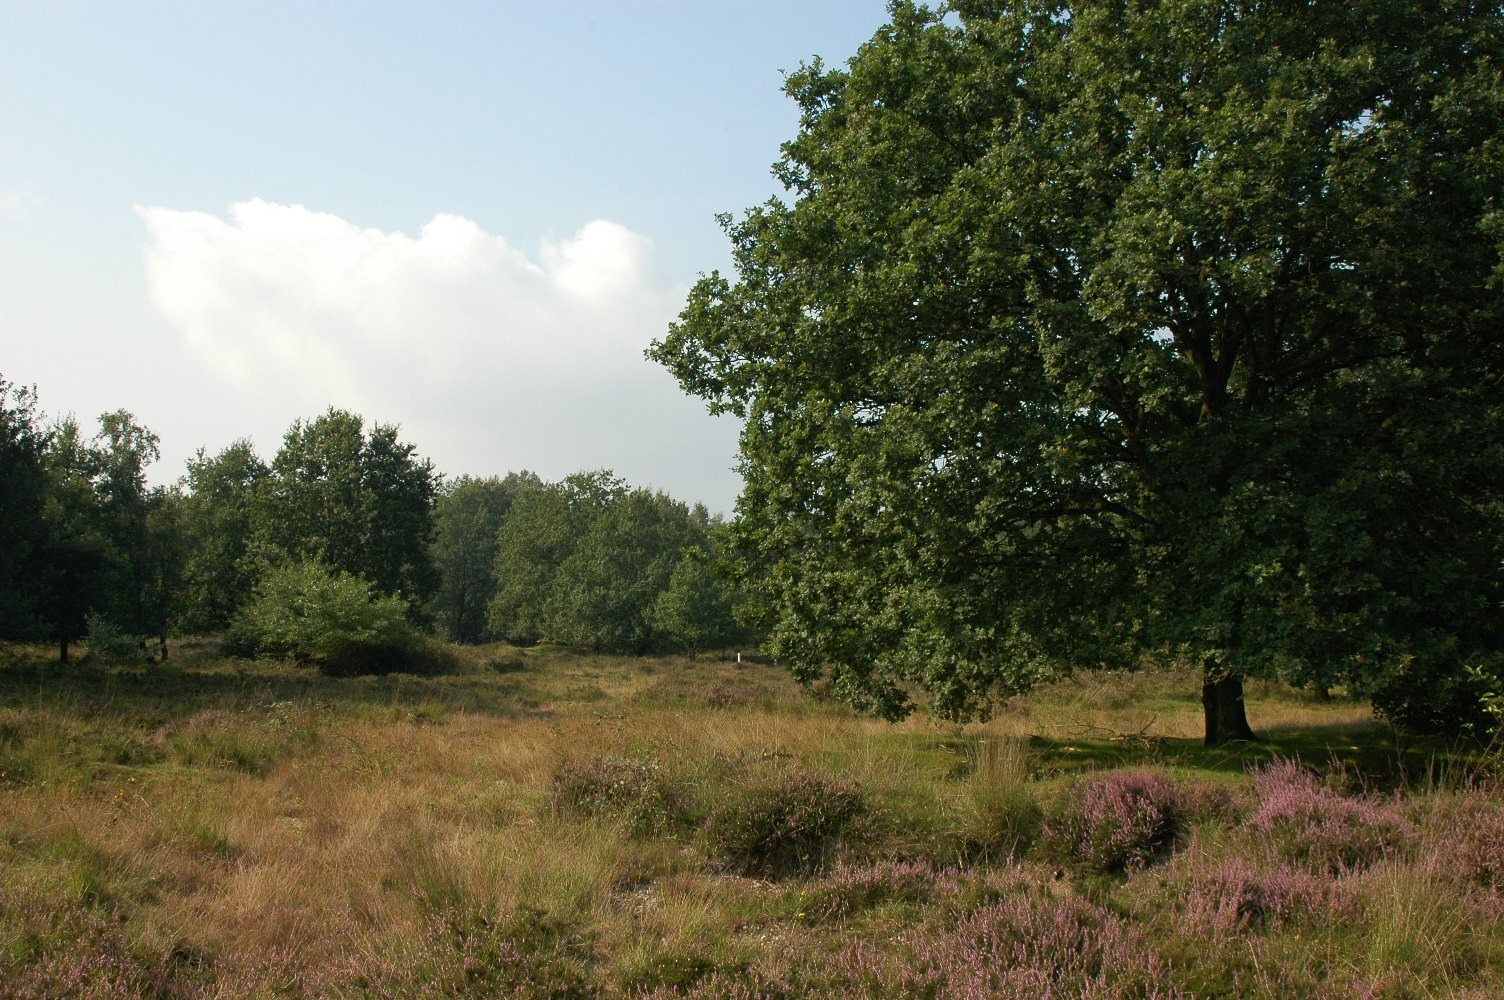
(587, 561)
(82, 531)
(347, 522)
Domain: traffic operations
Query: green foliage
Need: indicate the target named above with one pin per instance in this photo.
(696, 610)
(362, 502)
(121, 452)
(108, 643)
(634, 789)
(82, 532)
(534, 538)
(216, 517)
(788, 825)
(166, 553)
(467, 517)
(587, 562)
(23, 487)
(314, 614)
(604, 592)
(1093, 331)
(80, 567)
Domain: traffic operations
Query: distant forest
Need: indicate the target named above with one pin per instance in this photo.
(348, 550)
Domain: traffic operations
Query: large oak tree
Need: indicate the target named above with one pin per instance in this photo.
(1098, 330)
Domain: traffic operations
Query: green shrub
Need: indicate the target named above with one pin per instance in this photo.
(633, 789)
(107, 642)
(529, 953)
(789, 826)
(332, 620)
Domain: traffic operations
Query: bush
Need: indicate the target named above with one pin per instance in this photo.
(1117, 822)
(1236, 895)
(851, 889)
(1024, 946)
(108, 643)
(1308, 822)
(787, 827)
(635, 790)
(327, 618)
(1477, 848)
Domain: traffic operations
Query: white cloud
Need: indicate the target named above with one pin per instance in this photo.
(490, 360)
(15, 205)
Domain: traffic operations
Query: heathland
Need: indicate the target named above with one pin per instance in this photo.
(545, 823)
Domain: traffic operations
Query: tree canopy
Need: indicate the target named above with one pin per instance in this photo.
(1099, 330)
(587, 561)
(23, 496)
(309, 557)
(468, 514)
(360, 501)
(218, 510)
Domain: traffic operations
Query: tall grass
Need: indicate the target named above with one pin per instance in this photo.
(578, 825)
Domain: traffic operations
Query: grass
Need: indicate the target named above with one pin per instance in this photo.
(547, 823)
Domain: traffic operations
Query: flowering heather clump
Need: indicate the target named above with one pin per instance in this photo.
(1209, 801)
(525, 956)
(1022, 948)
(783, 828)
(84, 953)
(636, 790)
(1238, 895)
(1117, 822)
(1306, 821)
(1472, 847)
(850, 889)
(721, 986)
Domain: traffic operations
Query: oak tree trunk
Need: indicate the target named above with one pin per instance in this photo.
(1222, 702)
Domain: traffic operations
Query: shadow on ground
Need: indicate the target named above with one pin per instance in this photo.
(197, 679)
(1374, 753)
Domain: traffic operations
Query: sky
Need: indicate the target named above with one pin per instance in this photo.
(465, 219)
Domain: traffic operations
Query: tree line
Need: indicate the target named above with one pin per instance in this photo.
(345, 549)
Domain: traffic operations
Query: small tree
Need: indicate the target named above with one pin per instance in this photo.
(166, 555)
(603, 594)
(327, 618)
(359, 500)
(122, 451)
(217, 512)
(467, 518)
(697, 609)
(537, 535)
(23, 493)
(79, 567)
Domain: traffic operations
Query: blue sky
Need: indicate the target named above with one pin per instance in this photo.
(464, 218)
